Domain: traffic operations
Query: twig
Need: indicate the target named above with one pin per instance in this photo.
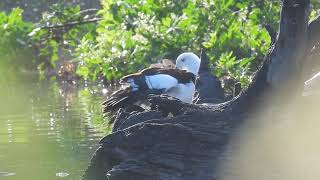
(87, 10)
(75, 23)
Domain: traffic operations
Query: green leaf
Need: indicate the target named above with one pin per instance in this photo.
(83, 71)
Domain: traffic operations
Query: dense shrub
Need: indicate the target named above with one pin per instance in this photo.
(58, 33)
(133, 34)
(136, 33)
(14, 40)
(41, 45)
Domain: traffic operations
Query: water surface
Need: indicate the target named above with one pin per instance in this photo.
(47, 132)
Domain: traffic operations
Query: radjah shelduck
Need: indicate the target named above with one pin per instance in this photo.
(178, 82)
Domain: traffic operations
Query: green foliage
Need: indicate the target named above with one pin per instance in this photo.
(134, 34)
(315, 8)
(238, 41)
(14, 42)
(27, 45)
(58, 33)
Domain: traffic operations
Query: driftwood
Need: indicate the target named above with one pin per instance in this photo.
(190, 144)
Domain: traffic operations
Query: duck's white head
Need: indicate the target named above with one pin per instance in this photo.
(188, 61)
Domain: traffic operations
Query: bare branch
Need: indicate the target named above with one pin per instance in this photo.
(70, 24)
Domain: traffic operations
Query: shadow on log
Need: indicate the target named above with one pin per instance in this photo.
(190, 144)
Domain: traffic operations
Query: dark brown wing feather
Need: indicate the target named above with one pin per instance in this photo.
(125, 98)
(182, 75)
(117, 100)
(144, 72)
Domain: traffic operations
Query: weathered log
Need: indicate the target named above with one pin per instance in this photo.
(293, 35)
(190, 144)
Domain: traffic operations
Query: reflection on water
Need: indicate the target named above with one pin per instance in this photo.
(46, 132)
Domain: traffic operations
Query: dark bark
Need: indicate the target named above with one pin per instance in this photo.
(204, 66)
(209, 89)
(312, 64)
(236, 89)
(313, 34)
(272, 33)
(189, 145)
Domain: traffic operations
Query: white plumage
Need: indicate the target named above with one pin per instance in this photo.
(161, 81)
(184, 92)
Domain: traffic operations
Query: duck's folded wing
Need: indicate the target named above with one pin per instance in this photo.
(117, 100)
(181, 75)
(126, 98)
(144, 72)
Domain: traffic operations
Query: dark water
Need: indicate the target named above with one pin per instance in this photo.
(48, 132)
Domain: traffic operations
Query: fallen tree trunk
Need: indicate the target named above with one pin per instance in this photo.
(190, 144)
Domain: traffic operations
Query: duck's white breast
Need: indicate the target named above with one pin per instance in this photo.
(184, 92)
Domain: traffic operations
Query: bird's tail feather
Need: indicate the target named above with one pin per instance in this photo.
(126, 99)
(119, 99)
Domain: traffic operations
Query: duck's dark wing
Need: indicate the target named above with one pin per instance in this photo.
(117, 100)
(181, 75)
(144, 72)
(126, 98)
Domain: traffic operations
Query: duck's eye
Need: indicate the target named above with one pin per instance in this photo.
(183, 60)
